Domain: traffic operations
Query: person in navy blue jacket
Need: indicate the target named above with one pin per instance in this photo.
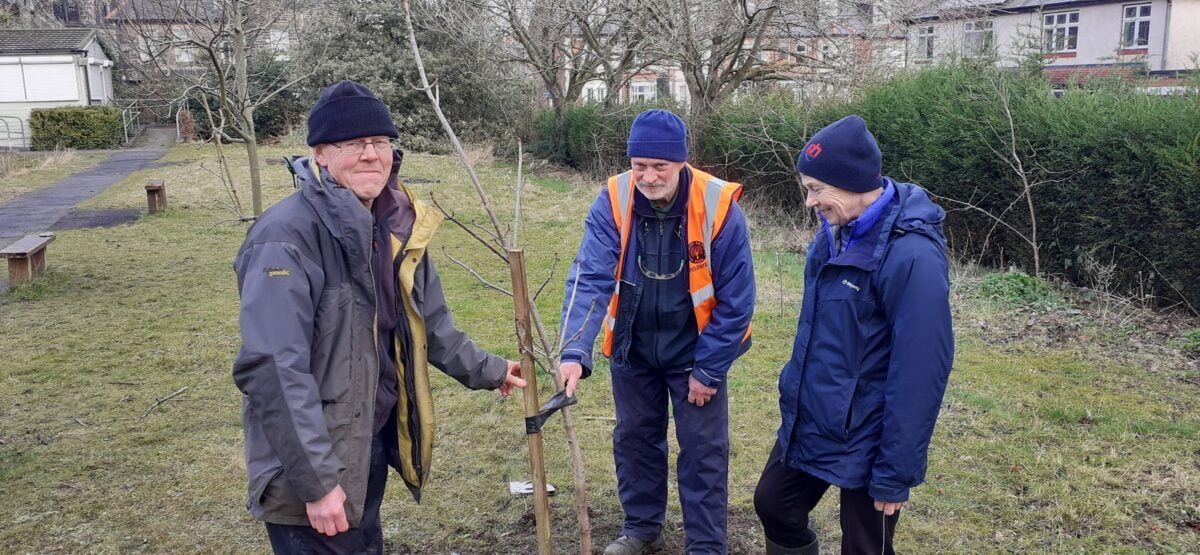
(665, 269)
(873, 349)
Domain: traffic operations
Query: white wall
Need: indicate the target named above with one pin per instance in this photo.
(1099, 41)
(29, 82)
(1183, 37)
(99, 75)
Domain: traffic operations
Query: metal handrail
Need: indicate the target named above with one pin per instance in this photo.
(8, 134)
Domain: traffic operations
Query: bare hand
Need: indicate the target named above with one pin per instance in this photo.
(512, 379)
(888, 508)
(698, 393)
(570, 372)
(328, 514)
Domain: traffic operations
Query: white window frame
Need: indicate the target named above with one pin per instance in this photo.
(1060, 31)
(1135, 20)
(643, 91)
(279, 41)
(801, 53)
(184, 54)
(926, 41)
(594, 92)
(977, 38)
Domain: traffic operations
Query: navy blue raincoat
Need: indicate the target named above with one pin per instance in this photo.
(873, 350)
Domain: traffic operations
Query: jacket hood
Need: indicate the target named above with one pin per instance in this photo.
(918, 214)
(911, 211)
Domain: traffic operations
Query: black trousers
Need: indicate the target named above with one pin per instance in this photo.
(366, 538)
(785, 497)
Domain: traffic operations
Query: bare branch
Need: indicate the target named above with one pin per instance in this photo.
(162, 400)
(477, 275)
(450, 216)
(550, 276)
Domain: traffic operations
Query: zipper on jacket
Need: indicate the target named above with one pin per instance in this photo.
(657, 296)
(414, 428)
(374, 321)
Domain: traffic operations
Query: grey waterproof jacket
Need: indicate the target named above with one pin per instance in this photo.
(308, 368)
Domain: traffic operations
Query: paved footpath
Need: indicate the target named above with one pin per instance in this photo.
(40, 210)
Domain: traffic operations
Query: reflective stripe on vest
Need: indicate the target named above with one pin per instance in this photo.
(708, 203)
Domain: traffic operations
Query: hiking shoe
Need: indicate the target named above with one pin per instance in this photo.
(626, 545)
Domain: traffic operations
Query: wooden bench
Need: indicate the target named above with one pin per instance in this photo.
(156, 195)
(27, 257)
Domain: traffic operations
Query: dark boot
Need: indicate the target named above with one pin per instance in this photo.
(811, 548)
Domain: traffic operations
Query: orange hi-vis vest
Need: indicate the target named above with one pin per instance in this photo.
(708, 203)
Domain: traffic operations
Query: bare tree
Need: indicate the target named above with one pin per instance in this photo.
(549, 347)
(565, 44)
(1000, 131)
(210, 48)
(717, 45)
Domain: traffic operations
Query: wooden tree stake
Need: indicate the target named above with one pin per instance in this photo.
(541, 501)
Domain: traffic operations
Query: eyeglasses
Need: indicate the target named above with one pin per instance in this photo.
(356, 148)
(655, 275)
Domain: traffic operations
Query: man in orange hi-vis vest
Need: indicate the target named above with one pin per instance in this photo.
(665, 270)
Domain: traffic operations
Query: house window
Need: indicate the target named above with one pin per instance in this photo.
(1061, 31)
(148, 44)
(67, 11)
(862, 10)
(662, 86)
(925, 38)
(279, 43)
(183, 50)
(1135, 26)
(595, 92)
(977, 39)
(801, 53)
(642, 92)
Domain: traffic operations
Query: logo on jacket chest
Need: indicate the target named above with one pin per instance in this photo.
(851, 285)
(696, 254)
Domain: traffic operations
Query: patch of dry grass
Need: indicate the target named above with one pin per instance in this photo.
(24, 172)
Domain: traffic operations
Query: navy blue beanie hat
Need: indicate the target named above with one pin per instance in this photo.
(658, 134)
(843, 154)
(348, 110)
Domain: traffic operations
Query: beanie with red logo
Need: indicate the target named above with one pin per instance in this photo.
(843, 154)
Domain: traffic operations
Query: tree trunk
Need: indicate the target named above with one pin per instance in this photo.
(241, 89)
(252, 159)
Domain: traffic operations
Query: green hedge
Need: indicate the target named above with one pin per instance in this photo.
(81, 127)
(1117, 171)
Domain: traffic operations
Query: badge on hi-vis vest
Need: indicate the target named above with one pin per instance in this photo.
(696, 253)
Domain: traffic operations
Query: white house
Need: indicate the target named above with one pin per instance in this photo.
(1069, 36)
(48, 68)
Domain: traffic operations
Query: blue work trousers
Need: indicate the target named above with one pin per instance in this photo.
(640, 450)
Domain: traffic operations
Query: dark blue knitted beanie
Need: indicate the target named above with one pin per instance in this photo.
(658, 134)
(348, 110)
(843, 154)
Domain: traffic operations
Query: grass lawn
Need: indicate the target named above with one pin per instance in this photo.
(1059, 433)
(25, 172)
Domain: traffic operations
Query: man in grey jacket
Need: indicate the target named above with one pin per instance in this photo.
(342, 312)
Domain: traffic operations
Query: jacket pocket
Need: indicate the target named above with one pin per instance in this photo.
(338, 415)
(826, 398)
(331, 351)
(258, 487)
(277, 498)
(850, 413)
